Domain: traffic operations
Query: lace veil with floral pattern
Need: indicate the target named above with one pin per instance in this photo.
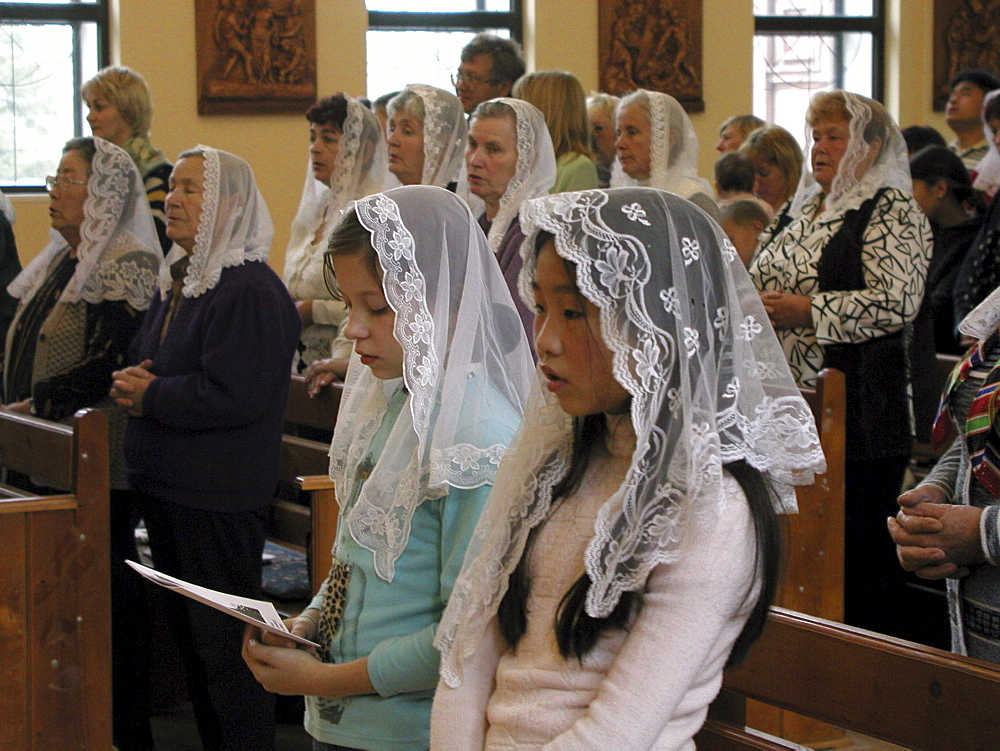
(875, 158)
(118, 256)
(360, 169)
(235, 225)
(467, 368)
(709, 384)
(673, 147)
(445, 133)
(534, 175)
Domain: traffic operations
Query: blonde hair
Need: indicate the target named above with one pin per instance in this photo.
(128, 91)
(559, 95)
(775, 146)
(744, 124)
(832, 105)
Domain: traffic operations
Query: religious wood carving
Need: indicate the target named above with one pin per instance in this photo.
(965, 37)
(255, 56)
(652, 44)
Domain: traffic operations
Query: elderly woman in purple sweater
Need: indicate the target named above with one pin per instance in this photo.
(206, 401)
(509, 159)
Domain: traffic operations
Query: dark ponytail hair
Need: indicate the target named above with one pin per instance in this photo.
(576, 631)
(934, 163)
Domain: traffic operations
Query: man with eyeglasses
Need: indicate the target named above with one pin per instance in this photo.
(490, 65)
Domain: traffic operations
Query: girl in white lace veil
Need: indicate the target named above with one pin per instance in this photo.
(115, 255)
(359, 169)
(434, 393)
(444, 130)
(875, 158)
(673, 146)
(235, 224)
(536, 163)
(463, 350)
(708, 386)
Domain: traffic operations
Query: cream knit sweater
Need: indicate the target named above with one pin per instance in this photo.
(647, 687)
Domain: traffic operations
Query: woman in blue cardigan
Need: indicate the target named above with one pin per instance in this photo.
(206, 398)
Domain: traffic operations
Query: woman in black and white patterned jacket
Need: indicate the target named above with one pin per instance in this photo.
(842, 284)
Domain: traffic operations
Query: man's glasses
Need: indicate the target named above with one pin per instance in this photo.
(470, 78)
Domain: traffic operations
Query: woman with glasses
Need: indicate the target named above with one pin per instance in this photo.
(79, 303)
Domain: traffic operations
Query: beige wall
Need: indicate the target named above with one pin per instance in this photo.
(158, 39)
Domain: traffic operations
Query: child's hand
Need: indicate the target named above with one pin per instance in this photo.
(290, 672)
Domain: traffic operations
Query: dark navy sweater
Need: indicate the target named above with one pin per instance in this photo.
(210, 434)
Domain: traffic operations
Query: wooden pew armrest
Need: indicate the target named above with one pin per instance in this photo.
(314, 482)
(37, 503)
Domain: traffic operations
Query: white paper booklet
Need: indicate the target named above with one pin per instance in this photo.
(258, 612)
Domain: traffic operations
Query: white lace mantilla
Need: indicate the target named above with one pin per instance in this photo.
(691, 343)
(446, 290)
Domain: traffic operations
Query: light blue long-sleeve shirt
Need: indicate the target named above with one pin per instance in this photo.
(394, 624)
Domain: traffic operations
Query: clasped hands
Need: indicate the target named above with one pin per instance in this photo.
(935, 539)
(128, 387)
(786, 310)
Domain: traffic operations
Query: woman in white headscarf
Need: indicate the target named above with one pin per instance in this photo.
(426, 135)
(842, 284)
(206, 401)
(347, 161)
(657, 147)
(509, 160)
(80, 300)
(79, 303)
(432, 397)
(632, 523)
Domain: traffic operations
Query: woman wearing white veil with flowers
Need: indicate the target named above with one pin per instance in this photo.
(347, 161)
(79, 303)
(509, 159)
(657, 147)
(426, 134)
(433, 394)
(633, 519)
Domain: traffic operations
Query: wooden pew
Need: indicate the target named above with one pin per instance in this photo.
(897, 691)
(55, 591)
(813, 577)
(308, 523)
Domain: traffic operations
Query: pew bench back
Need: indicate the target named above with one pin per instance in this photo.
(55, 636)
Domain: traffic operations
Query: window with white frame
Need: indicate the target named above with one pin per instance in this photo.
(47, 51)
(411, 42)
(805, 46)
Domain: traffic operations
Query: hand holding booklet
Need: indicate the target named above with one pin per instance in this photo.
(259, 613)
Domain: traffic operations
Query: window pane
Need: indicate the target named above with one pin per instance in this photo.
(788, 69)
(813, 7)
(37, 90)
(396, 58)
(439, 6)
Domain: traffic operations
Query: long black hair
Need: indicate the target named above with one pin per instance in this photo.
(576, 631)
